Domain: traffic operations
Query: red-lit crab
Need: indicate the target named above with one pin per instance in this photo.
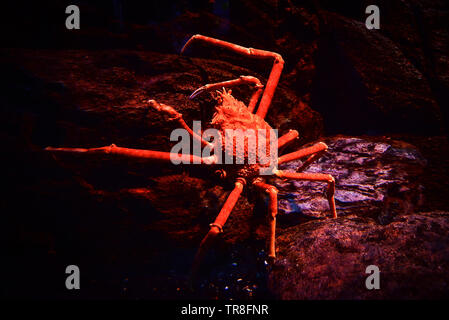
(233, 114)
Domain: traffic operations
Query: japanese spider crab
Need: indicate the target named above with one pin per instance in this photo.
(231, 113)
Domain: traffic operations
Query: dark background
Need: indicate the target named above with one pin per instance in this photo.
(339, 78)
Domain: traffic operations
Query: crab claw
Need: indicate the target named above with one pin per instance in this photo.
(165, 109)
(197, 92)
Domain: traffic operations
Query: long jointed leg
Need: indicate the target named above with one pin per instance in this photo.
(273, 207)
(287, 138)
(217, 226)
(275, 73)
(137, 154)
(316, 148)
(314, 177)
(231, 83)
(175, 115)
(309, 160)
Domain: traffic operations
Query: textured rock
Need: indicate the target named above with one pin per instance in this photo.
(393, 79)
(328, 259)
(379, 178)
(420, 31)
(102, 211)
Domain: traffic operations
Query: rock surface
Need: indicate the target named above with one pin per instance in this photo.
(124, 215)
(95, 98)
(374, 177)
(134, 228)
(328, 259)
(391, 80)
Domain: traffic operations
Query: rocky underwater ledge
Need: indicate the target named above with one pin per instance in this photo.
(134, 228)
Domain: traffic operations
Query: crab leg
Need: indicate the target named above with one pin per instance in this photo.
(309, 160)
(273, 207)
(275, 73)
(316, 148)
(314, 177)
(138, 154)
(217, 226)
(231, 83)
(288, 137)
(175, 115)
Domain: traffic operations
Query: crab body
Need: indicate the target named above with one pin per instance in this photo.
(235, 122)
